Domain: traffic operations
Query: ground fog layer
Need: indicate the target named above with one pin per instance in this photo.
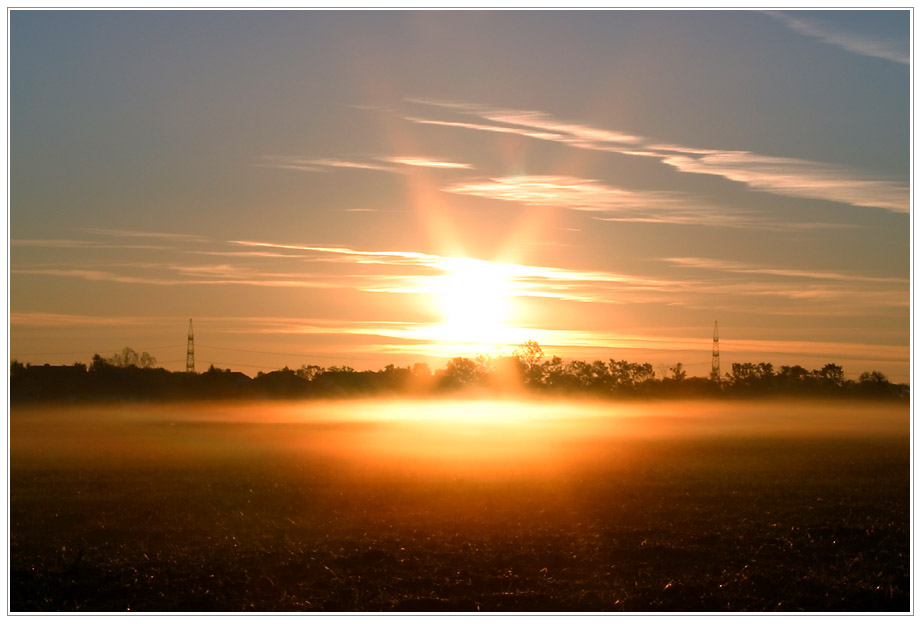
(461, 506)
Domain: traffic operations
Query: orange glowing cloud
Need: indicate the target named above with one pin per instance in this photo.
(740, 267)
(572, 133)
(418, 161)
(564, 191)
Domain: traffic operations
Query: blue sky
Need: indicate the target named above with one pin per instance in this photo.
(309, 185)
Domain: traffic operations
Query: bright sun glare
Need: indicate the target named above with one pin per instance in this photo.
(474, 297)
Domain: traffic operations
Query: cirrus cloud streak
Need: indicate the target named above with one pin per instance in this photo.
(894, 50)
(788, 176)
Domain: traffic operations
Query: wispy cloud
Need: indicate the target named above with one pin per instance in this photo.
(531, 123)
(819, 299)
(718, 217)
(896, 50)
(372, 163)
(178, 276)
(523, 280)
(544, 136)
(569, 132)
(564, 191)
(290, 166)
(320, 164)
(746, 288)
(419, 161)
(351, 164)
(266, 264)
(405, 338)
(422, 339)
(50, 320)
(346, 251)
(173, 236)
(792, 177)
(76, 244)
(825, 350)
(617, 204)
(430, 338)
(95, 275)
(247, 254)
(419, 273)
(741, 267)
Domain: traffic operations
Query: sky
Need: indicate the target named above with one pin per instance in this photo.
(360, 188)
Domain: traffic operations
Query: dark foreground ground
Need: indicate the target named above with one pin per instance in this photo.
(155, 509)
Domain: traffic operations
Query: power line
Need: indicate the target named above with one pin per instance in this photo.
(83, 352)
(55, 353)
(248, 350)
(300, 355)
(257, 366)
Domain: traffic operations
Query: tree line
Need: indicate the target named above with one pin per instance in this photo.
(129, 375)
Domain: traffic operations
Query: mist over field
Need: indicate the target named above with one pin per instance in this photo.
(463, 436)
(461, 506)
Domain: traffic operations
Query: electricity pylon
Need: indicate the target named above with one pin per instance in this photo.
(715, 356)
(190, 351)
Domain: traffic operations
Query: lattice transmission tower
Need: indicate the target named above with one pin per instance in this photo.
(715, 356)
(190, 351)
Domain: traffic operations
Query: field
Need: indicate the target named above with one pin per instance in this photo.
(461, 506)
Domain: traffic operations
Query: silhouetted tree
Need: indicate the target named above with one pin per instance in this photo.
(421, 369)
(793, 374)
(462, 372)
(601, 376)
(310, 372)
(629, 375)
(130, 357)
(593, 376)
(749, 376)
(553, 373)
(580, 374)
(128, 376)
(99, 363)
(876, 378)
(530, 354)
(678, 373)
(421, 379)
(831, 375)
(394, 378)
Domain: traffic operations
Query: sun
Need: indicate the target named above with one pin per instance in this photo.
(474, 299)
